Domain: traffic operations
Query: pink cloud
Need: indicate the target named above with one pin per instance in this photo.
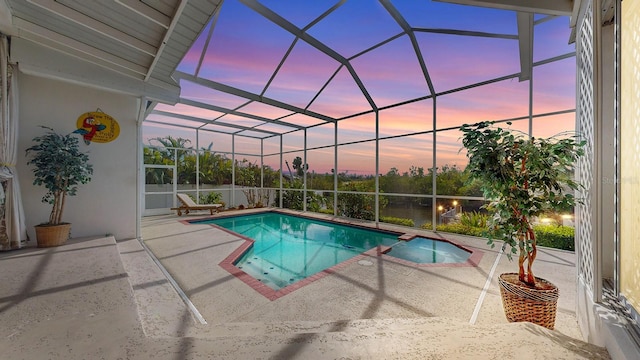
(321, 135)
(358, 128)
(413, 117)
(503, 100)
(357, 158)
(321, 160)
(553, 125)
(293, 141)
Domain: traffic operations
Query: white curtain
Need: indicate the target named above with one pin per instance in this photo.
(15, 230)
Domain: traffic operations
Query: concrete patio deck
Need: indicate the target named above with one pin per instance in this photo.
(98, 298)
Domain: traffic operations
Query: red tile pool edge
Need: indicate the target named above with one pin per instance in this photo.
(380, 250)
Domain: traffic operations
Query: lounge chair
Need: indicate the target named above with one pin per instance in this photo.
(188, 205)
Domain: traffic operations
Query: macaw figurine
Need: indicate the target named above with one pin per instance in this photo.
(93, 125)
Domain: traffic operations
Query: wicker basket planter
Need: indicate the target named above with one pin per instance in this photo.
(52, 235)
(523, 303)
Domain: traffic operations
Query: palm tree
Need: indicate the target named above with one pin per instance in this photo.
(177, 151)
(169, 143)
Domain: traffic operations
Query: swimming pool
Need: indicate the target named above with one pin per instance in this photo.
(283, 252)
(287, 249)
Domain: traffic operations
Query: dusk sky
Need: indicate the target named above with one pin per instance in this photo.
(246, 49)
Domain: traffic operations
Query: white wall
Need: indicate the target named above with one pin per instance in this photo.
(106, 205)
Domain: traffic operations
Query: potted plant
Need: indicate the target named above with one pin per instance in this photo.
(523, 178)
(60, 166)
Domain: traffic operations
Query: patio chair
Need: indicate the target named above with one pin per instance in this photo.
(188, 205)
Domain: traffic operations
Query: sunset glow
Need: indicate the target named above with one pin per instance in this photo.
(356, 66)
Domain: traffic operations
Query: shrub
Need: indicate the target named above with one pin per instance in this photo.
(294, 199)
(397, 221)
(559, 237)
(426, 226)
(459, 228)
(474, 219)
(356, 206)
(553, 236)
(210, 198)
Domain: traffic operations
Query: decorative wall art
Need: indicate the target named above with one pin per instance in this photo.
(97, 126)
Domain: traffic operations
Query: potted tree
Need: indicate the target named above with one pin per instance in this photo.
(523, 178)
(60, 166)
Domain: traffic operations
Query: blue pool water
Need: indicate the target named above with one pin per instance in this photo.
(427, 251)
(288, 249)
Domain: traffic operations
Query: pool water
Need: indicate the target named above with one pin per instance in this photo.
(288, 248)
(427, 251)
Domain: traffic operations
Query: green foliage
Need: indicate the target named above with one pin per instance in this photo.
(449, 180)
(398, 221)
(294, 199)
(271, 177)
(158, 176)
(315, 202)
(356, 205)
(154, 156)
(452, 181)
(248, 176)
(165, 152)
(170, 151)
(60, 166)
(215, 169)
(459, 228)
(318, 181)
(169, 142)
(291, 199)
(247, 173)
(554, 236)
(474, 219)
(524, 178)
(298, 167)
(427, 226)
(211, 198)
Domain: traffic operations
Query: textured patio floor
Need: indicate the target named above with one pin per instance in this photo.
(95, 298)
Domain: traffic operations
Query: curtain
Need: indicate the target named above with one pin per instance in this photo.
(15, 233)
